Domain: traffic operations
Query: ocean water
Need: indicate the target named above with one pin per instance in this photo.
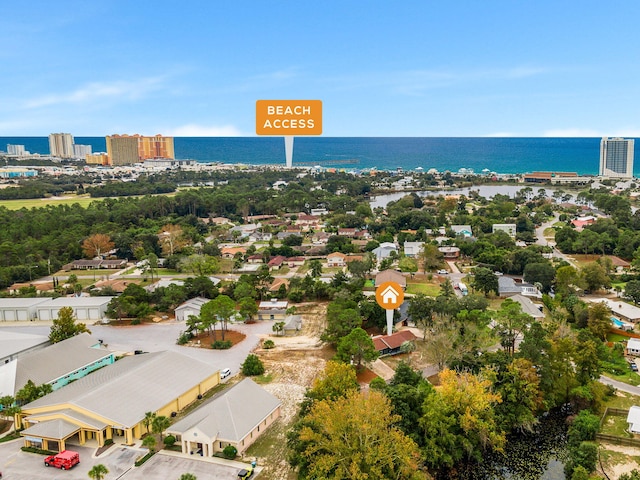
(501, 155)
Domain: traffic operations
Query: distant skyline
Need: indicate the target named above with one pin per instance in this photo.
(382, 69)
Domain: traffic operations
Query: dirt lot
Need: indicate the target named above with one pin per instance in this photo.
(292, 365)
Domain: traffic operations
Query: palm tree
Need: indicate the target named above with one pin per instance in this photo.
(187, 476)
(160, 424)
(98, 472)
(148, 419)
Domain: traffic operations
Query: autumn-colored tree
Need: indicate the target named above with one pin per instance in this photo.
(599, 321)
(356, 437)
(171, 239)
(459, 420)
(97, 245)
(337, 380)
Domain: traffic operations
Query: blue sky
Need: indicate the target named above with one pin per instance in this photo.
(406, 68)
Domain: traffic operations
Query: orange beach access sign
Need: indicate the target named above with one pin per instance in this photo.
(289, 117)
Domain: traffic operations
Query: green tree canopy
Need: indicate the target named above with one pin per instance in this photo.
(65, 326)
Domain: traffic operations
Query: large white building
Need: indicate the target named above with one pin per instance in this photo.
(61, 145)
(616, 157)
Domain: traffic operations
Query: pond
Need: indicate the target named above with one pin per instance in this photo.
(536, 456)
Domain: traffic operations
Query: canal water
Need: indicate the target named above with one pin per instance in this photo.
(539, 455)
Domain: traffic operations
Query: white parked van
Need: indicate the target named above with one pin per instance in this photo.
(224, 373)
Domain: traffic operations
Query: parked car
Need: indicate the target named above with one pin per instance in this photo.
(442, 272)
(224, 373)
(634, 367)
(246, 472)
(63, 460)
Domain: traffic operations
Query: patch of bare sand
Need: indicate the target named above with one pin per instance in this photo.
(614, 471)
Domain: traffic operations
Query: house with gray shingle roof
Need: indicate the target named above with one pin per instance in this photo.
(236, 417)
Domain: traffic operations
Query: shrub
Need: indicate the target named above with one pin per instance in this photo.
(378, 383)
(135, 321)
(252, 366)
(230, 452)
(184, 338)
(169, 440)
(268, 344)
(222, 344)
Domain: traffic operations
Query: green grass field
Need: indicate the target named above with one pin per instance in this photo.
(83, 200)
(429, 289)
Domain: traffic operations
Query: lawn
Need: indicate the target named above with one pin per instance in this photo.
(83, 200)
(429, 289)
(623, 400)
(615, 425)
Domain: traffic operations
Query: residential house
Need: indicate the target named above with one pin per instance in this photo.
(276, 262)
(633, 419)
(273, 310)
(391, 344)
(391, 276)
(384, 250)
(257, 258)
(508, 228)
(189, 308)
(449, 252)
(464, 230)
(413, 249)
(237, 417)
(339, 259)
(633, 346)
(230, 252)
(528, 307)
(508, 286)
(622, 310)
(95, 264)
(295, 261)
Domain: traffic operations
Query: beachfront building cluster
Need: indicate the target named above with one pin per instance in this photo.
(62, 145)
(616, 157)
(130, 149)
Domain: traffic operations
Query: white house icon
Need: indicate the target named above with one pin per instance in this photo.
(389, 295)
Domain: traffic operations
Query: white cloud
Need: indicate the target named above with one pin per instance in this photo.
(193, 130)
(97, 90)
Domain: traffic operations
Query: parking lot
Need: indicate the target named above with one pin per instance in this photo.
(19, 465)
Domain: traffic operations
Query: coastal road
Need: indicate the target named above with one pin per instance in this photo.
(541, 240)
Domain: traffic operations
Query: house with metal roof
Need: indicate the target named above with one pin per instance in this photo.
(56, 365)
(190, 307)
(528, 307)
(633, 419)
(110, 403)
(413, 249)
(236, 417)
(622, 310)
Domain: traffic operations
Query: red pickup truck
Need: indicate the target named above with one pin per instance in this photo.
(63, 460)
